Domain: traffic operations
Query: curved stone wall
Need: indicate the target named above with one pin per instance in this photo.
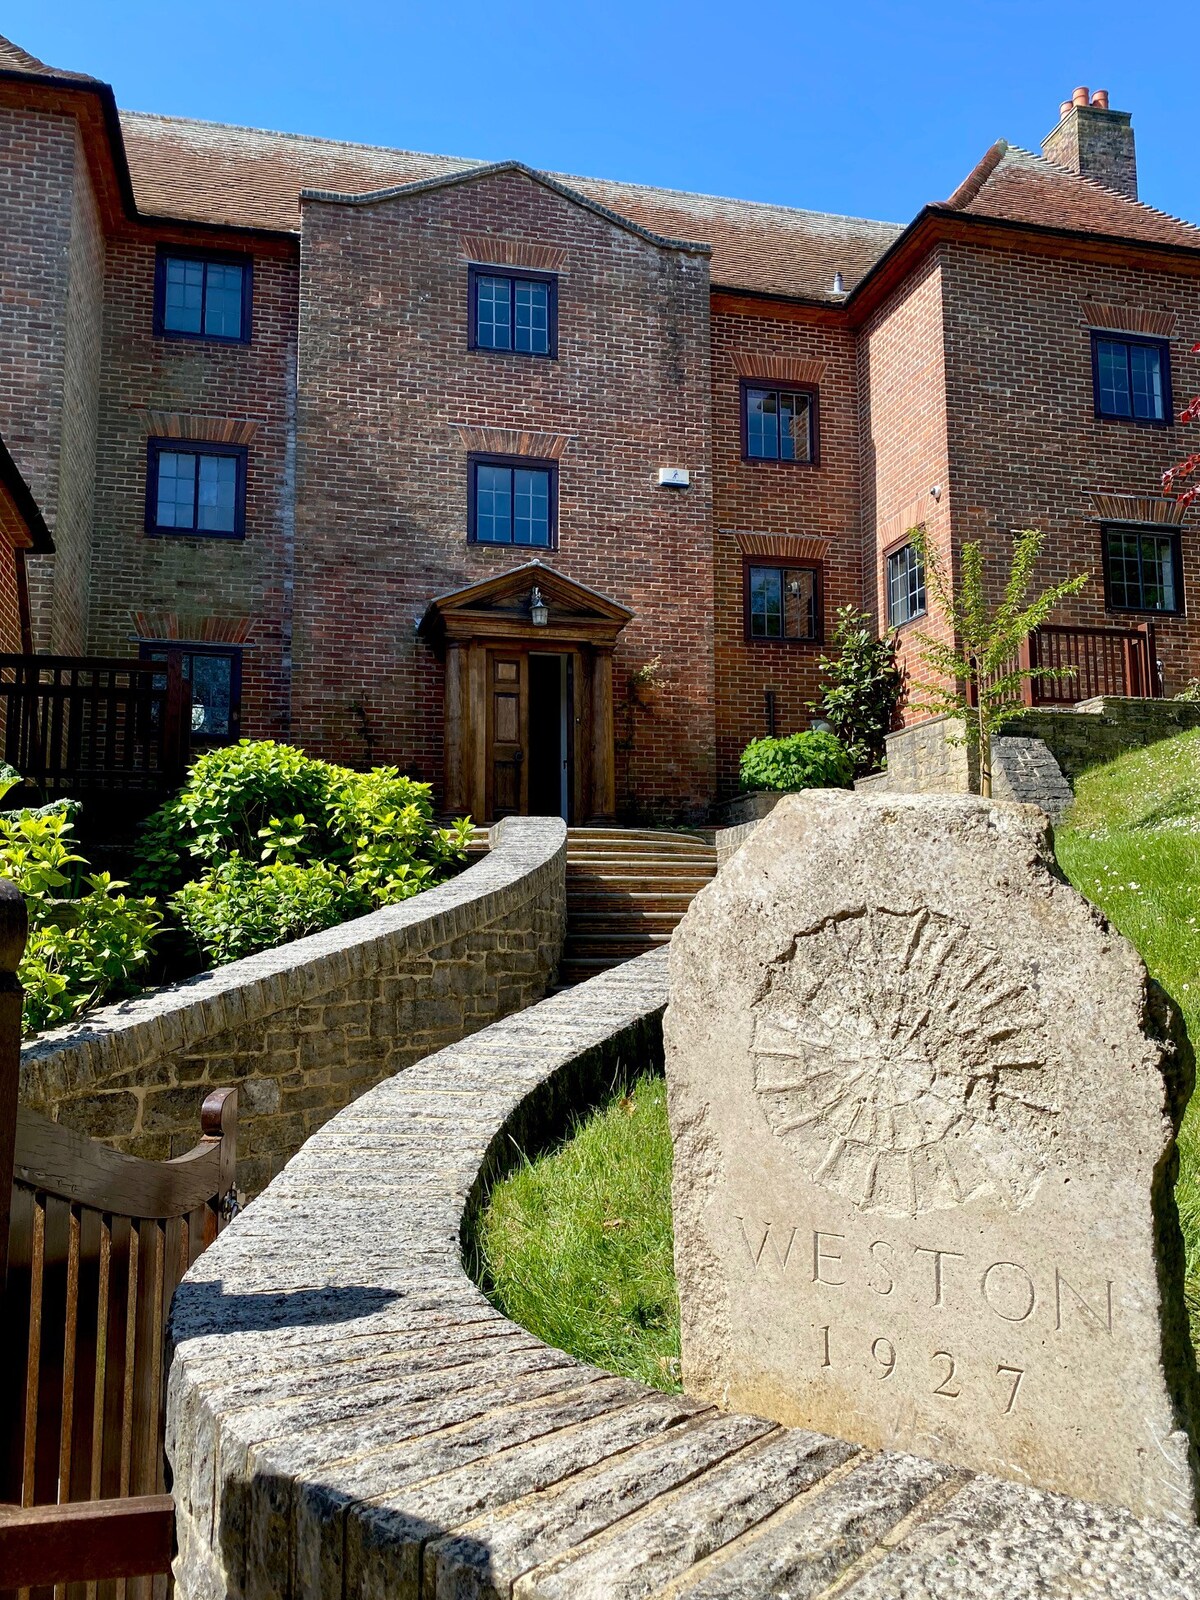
(349, 1416)
(305, 1028)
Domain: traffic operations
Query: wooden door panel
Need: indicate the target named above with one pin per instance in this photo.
(507, 732)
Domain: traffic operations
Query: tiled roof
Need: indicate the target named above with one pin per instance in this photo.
(1015, 186)
(210, 172)
(14, 59)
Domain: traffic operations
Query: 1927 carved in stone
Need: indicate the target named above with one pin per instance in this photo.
(924, 1105)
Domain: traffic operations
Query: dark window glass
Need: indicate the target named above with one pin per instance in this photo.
(782, 602)
(215, 679)
(202, 298)
(195, 491)
(779, 425)
(1131, 379)
(1142, 569)
(905, 585)
(512, 313)
(512, 504)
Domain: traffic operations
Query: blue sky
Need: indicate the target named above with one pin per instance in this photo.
(840, 105)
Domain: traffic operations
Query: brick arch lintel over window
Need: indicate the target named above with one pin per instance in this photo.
(1128, 319)
(512, 442)
(918, 513)
(489, 250)
(784, 546)
(777, 368)
(191, 629)
(1137, 508)
(213, 430)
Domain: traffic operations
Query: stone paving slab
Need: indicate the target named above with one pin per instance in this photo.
(349, 1417)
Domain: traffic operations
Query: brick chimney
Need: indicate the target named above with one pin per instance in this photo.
(1093, 140)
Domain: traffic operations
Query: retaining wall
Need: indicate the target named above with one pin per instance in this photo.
(305, 1028)
(349, 1416)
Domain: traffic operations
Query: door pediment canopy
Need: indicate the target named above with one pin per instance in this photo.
(499, 608)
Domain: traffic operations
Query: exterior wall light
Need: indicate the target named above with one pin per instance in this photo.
(539, 611)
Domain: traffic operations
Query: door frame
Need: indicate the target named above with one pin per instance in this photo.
(495, 614)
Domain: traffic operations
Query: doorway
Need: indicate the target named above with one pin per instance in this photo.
(550, 736)
(529, 734)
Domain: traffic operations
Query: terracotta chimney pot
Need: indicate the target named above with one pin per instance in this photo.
(1079, 97)
(1100, 99)
(1063, 109)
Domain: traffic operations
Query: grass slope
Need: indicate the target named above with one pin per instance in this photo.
(576, 1245)
(1132, 844)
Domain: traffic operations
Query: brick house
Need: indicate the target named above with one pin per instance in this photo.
(548, 489)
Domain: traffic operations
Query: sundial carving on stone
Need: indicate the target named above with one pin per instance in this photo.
(901, 1062)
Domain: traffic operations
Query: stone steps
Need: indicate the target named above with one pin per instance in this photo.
(626, 892)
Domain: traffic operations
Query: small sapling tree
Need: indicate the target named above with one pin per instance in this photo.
(1190, 465)
(978, 674)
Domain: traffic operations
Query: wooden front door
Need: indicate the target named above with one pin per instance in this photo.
(507, 732)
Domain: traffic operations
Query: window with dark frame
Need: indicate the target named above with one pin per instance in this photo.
(197, 490)
(1143, 569)
(514, 311)
(1132, 379)
(215, 675)
(783, 603)
(512, 500)
(779, 424)
(905, 585)
(202, 296)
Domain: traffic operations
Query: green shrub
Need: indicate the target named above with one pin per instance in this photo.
(863, 688)
(244, 906)
(82, 947)
(264, 844)
(800, 761)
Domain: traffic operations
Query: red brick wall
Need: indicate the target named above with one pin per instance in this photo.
(210, 587)
(779, 498)
(1025, 448)
(51, 271)
(903, 440)
(385, 375)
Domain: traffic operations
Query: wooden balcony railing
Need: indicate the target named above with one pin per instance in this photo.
(1112, 661)
(76, 724)
(1116, 661)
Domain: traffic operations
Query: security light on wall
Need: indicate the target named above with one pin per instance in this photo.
(539, 611)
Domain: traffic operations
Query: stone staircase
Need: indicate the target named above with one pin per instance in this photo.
(627, 889)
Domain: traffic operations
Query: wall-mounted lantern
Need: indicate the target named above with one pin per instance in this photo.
(539, 611)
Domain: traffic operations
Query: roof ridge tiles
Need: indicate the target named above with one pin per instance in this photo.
(1103, 188)
(298, 138)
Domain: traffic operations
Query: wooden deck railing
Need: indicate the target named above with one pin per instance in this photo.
(93, 1244)
(75, 723)
(1113, 661)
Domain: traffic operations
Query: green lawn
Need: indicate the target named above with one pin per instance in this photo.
(1132, 844)
(576, 1245)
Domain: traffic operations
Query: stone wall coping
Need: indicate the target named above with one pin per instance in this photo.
(348, 1415)
(167, 1021)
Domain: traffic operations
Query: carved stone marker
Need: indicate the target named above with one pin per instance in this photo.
(924, 1104)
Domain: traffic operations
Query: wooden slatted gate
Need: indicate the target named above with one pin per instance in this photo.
(95, 1243)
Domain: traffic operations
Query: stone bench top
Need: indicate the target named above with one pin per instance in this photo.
(349, 1416)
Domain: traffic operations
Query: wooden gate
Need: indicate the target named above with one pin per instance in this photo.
(95, 1244)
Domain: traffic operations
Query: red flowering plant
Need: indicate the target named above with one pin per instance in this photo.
(1182, 470)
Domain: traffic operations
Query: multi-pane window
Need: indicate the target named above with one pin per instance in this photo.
(1132, 378)
(782, 602)
(513, 502)
(215, 676)
(511, 311)
(905, 585)
(197, 490)
(779, 424)
(1142, 569)
(201, 297)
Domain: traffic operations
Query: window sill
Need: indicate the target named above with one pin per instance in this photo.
(1134, 422)
(519, 355)
(176, 337)
(776, 461)
(757, 639)
(202, 535)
